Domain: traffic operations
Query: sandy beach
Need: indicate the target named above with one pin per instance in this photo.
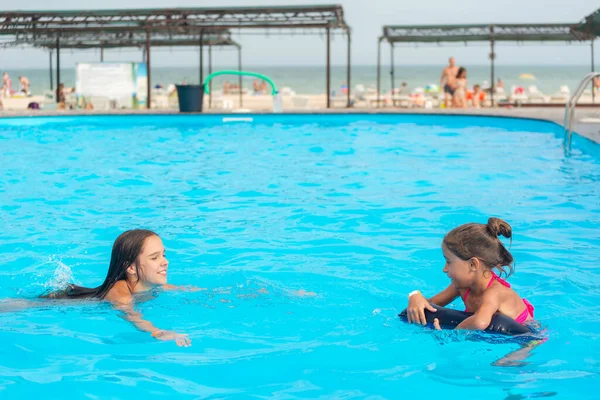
(295, 102)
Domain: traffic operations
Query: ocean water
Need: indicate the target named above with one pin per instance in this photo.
(307, 233)
(311, 80)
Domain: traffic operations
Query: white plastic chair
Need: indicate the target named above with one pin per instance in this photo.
(99, 102)
(218, 101)
(535, 96)
(563, 95)
(300, 102)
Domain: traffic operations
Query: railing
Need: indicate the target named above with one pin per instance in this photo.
(572, 104)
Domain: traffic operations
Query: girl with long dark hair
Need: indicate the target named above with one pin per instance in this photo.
(138, 263)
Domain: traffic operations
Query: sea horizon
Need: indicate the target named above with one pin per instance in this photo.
(311, 79)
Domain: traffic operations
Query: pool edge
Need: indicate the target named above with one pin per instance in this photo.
(553, 115)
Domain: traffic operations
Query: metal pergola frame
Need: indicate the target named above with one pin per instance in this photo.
(590, 26)
(492, 33)
(191, 22)
(111, 40)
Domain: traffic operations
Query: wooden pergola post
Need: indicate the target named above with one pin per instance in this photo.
(57, 68)
(493, 70)
(149, 87)
(379, 70)
(328, 68)
(348, 72)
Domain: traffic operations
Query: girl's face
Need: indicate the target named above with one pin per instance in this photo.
(461, 272)
(152, 264)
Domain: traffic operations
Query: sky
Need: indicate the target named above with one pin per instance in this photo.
(366, 17)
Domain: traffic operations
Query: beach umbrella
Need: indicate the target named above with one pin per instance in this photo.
(527, 77)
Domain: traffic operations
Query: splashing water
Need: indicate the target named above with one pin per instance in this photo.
(63, 275)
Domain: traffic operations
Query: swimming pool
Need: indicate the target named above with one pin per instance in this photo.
(308, 232)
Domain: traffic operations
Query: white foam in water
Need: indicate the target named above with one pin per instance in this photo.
(62, 276)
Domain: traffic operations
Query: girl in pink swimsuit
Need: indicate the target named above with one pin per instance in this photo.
(472, 251)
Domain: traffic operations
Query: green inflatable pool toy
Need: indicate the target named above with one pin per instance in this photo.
(243, 73)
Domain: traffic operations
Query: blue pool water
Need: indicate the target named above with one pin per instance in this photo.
(308, 232)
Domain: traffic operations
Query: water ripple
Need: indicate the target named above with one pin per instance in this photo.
(307, 234)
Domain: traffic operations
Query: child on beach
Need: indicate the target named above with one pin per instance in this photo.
(472, 251)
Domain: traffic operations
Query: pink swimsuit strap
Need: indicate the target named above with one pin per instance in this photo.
(500, 280)
(528, 307)
(494, 277)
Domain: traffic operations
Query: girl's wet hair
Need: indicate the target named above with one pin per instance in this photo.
(482, 241)
(125, 251)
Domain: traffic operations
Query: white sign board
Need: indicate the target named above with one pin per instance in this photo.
(109, 80)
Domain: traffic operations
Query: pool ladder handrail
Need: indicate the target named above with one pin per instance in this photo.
(572, 104)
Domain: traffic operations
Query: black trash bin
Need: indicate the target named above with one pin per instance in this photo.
(190, 97)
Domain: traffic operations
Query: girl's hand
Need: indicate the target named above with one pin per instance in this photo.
(436, 324)
(186, 288)
(415, 312)
(179, 338)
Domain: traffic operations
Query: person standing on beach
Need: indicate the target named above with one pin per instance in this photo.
(24, 82)
(448, 81)
(460, 88)
(62, 98)
(6, 85)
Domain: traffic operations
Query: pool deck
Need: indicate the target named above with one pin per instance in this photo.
(587, 125)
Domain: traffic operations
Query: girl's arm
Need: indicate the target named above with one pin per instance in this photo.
(417, 303)
(121, 299)
(445, 297)
(187, 288)
(479, 321)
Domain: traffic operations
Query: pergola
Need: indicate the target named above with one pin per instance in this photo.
(170, 27)
(493, 33)
(119, 40)
(590, 26)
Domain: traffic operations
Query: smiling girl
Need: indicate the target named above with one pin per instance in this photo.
(472, 252)
(138, 264)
